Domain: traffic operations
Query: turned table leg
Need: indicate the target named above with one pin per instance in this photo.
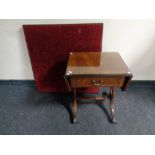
(112, 93)
(75, 107)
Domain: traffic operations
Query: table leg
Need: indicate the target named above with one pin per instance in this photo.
(75, 107)
(112, 94)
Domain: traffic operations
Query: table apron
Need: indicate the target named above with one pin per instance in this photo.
(79, 82)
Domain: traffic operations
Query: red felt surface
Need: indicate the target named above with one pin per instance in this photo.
(49, 47)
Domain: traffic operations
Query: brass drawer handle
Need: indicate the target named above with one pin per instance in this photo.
(97, 83)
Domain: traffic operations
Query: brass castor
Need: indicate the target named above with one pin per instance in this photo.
(74, 120)
(113, 120)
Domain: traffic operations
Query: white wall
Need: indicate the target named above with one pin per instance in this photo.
(134, 39)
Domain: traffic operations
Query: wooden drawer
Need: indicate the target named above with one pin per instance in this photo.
(78, 82)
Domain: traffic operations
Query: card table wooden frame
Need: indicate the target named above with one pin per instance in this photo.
(95, 70)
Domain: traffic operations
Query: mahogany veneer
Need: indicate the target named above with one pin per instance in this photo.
(94, 70)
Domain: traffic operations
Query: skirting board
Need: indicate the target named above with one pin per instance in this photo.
(32, 83)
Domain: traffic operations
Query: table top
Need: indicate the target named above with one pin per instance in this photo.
(97, 63)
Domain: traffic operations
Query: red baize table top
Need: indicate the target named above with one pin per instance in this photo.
(49, 47)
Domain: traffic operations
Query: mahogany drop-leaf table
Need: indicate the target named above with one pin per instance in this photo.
(95, 70)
